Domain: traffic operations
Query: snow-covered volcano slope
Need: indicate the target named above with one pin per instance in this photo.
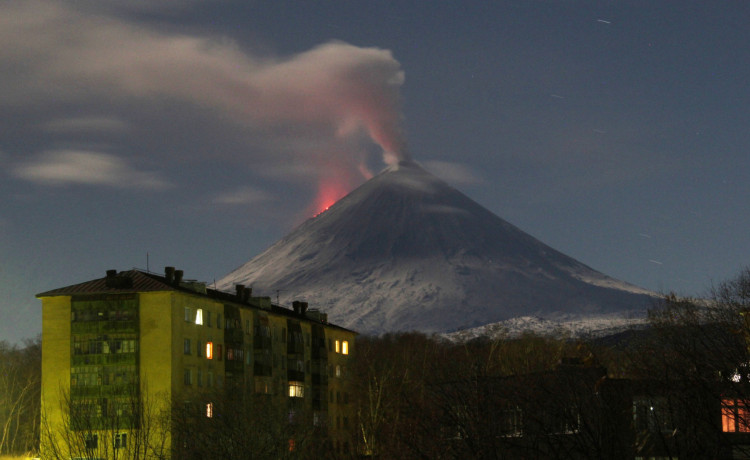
(405, 251)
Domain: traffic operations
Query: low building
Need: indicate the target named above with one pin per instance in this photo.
(128, 357)
(578, 412)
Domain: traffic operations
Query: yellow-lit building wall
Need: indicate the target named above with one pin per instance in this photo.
(56, 365)
(156, 350)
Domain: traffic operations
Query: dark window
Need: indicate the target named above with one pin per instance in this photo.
(91, 441)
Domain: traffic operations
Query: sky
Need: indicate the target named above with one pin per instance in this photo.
(196, 133)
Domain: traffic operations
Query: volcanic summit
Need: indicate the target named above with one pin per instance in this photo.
(406, 251)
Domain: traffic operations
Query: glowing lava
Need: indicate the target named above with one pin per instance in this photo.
(329, 192)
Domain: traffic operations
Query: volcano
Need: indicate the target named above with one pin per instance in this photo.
(406, 251)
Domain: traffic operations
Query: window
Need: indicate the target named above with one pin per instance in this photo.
(209, 350)
(188, 315)
(219, 352)
(338, 370)
(218, 320)
(199, 316)
(121, 440)
(188, 377)
(186, 346)
(210, 410)
(199, 348)
(735, 416)
(338, 346)
(208, 318)
(296, 390)
(345, 347)
(91, 441)
(199, 378)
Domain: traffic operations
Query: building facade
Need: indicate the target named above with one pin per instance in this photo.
(133, 360)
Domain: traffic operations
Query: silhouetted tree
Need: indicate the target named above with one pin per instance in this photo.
(20, 377)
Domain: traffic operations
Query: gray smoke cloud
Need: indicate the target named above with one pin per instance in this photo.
(54, 52)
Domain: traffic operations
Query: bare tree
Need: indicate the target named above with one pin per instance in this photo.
(131, 426)
(20, 370)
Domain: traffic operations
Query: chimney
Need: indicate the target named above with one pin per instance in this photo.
(169, 274)
(178, 276)
(303, 308)
(246, 294)
(111, 280)
(240, 291)
(297, 306)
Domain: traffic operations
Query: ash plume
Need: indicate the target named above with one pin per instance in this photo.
(316, 104)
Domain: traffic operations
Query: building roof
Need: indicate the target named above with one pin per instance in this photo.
(133, 281)
(125, 281)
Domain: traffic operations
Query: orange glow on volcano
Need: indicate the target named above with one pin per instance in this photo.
(329, 192)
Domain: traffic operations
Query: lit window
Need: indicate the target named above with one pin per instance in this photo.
(338, 346)
(209, 350)
(735, 416)
(210, 410)
(338, 370)
(199, 316)
(344, 347)
(296, 390)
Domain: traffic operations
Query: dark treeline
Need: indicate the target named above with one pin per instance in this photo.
(667, 391)
(672, 390)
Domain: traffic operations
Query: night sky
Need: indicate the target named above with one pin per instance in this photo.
(200, 132)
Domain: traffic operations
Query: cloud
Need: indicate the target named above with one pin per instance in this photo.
(61, 53)
(87, 168)
(242, 196)
(96, 124)
(453, 173)
(323, 110)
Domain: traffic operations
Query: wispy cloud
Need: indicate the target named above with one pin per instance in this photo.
(242, 196)
(453, 173)
(87, 168)
(98, 124)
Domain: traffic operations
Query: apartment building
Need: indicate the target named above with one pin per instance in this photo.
(133, 348)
